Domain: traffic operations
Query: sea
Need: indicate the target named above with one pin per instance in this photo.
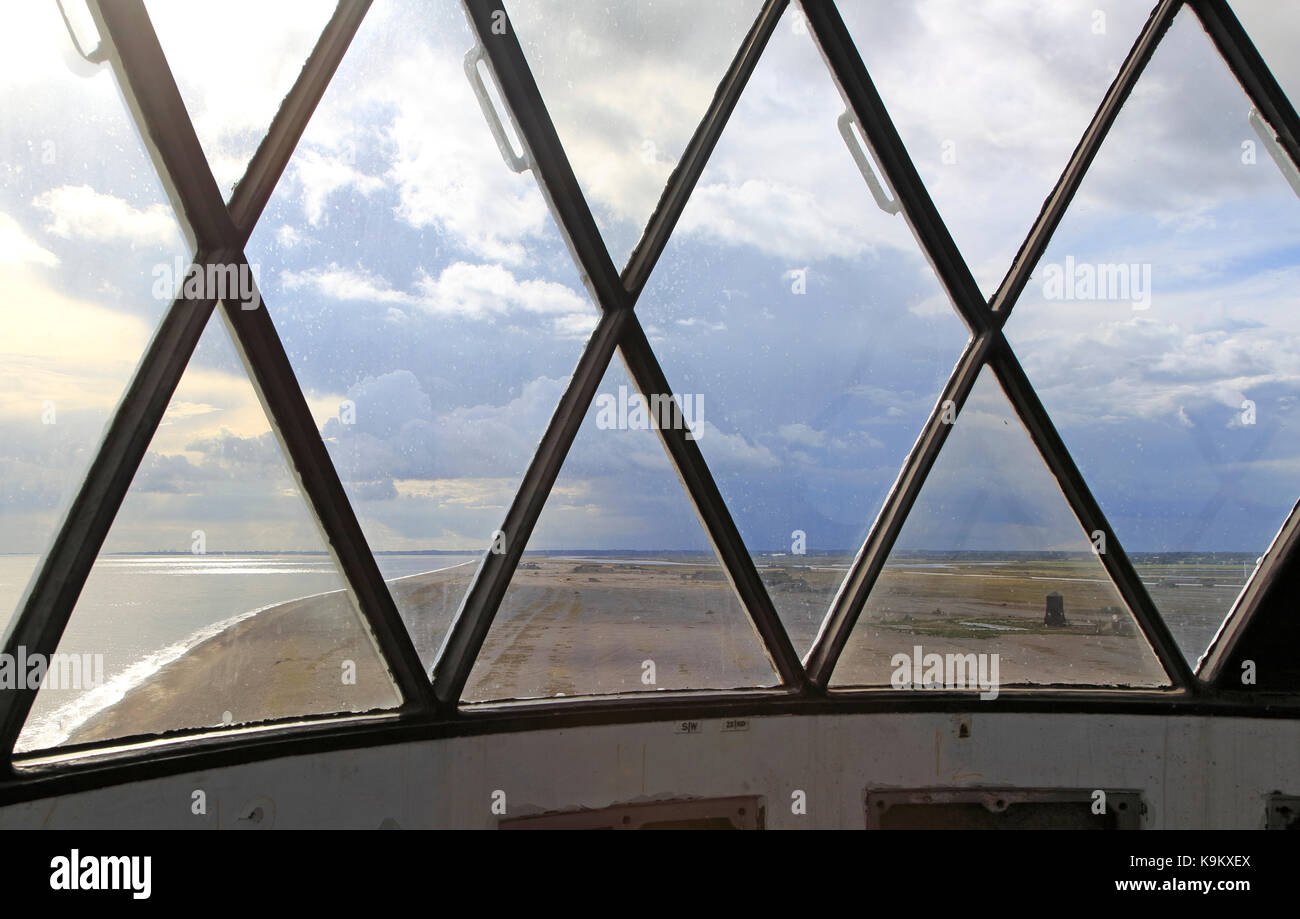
(141, 612)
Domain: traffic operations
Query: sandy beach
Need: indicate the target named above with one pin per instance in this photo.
(1000, 608)
(286, 660)
(574, 626)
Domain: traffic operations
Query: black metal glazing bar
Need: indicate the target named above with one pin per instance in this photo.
(166, 130)
(277, 387)
(714, 515)
(1279, 111)
(696, 155)
(164, 124)
(128, 27)
(1049, 218)
(887, 148)
(847, 605)
(560, 186)
(1045, 437)
(542, 146)
(254, 190)
(473, 620)
(50, 598)
(143, 64)
(1283, 556)
(1252, 72)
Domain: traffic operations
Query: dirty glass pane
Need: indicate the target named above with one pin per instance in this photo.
(1160, 331)
(626, 84)
(86, 237)
(993, 573)
(619, 590)
(428, 305)
(1003, 95)
(808, 325)
(214, 600)
(233, 63)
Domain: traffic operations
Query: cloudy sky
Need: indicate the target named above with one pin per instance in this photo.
(411, 274)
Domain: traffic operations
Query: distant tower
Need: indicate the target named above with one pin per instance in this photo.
(1055, 610)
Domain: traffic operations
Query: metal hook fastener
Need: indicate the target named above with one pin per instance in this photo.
(95, 57)
(513, 160)
(883, 201)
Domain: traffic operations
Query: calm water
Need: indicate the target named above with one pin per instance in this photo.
(142, 612)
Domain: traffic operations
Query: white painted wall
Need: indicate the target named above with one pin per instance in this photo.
(1195, 772)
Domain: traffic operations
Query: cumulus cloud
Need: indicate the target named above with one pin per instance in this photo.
(626, 85)
(321, 176)
(79, 212)
(348, 284)
(460, 290)
(18, 249)
(407, 124)
(476, 291)
(802, 434)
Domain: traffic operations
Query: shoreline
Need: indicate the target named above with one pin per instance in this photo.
(580, 625)
(281, 659)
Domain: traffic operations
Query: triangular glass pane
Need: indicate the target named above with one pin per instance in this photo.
(427, 303)
(85, 231)
(619, 590)
(1160, 328)
(626, 84)
(1274, 29)
(808, 322)
(234, 63)
(991, 117)
(990, 554)
(214, 600)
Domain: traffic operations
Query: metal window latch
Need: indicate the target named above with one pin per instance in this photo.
(78, 64)
(883, 201)
(1280, 156)
(514, 161)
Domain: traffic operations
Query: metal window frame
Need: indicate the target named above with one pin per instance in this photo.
(432, 708)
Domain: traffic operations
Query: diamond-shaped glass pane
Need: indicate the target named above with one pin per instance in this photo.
(427, 302)
(234, 63)
(809, 325)
(214, 600)
(86, 234)
(626, 84)
(992, 575)
(1160, 331)
(619, 590)
(991, 99)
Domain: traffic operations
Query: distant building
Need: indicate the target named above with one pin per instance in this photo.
(1055, 610)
